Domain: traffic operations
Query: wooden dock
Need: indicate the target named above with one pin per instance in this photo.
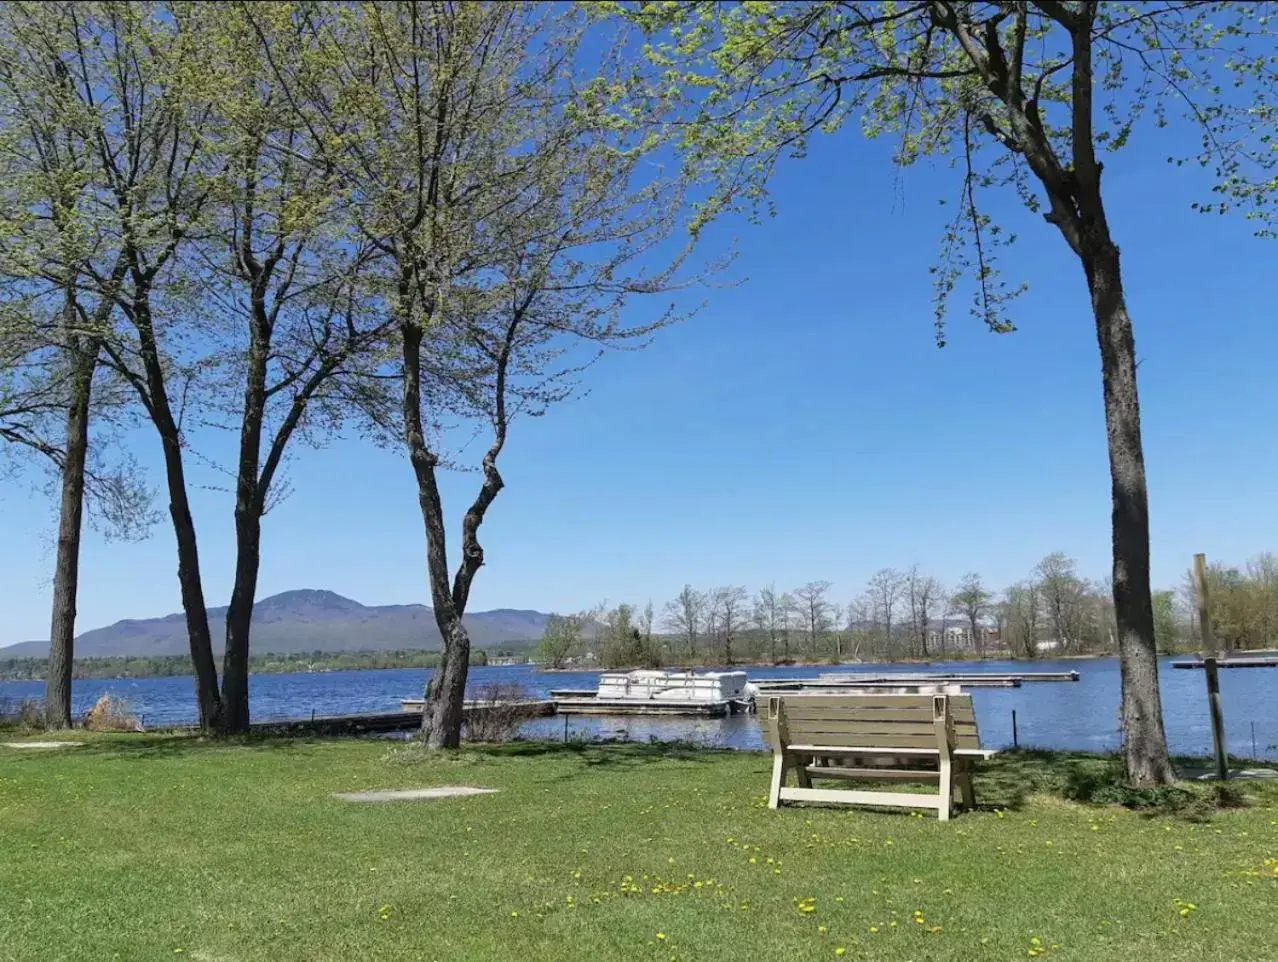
(974, 678)
(381, 722)
(1243, 661)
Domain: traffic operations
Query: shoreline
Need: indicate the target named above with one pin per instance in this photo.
(282, 669)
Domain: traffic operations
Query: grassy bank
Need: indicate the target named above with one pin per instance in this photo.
(152, 847)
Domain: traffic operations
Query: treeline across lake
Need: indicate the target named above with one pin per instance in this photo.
(905, 615)
(166, 666)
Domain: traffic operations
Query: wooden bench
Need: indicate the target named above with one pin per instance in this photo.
(908, 738)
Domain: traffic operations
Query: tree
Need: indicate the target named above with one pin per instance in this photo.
(52, 246)
(51, 391)
(149, 172)
(884, 592)
(814, 611)
(727, 606)
(972, 601)
(1063, 596)
(559, 640)
(1244, 603)
(859, 624)
(769, 617)
(924, 595)
(227, 262)
(625, 644)
(288, 281)
(515, 215)
(686, 617)
(1166, 630)
(1022, 607)
(1026, 97)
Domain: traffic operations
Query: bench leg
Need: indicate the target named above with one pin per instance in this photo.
(778, 779)
(965, 785)
(946, 797)
(801, 773)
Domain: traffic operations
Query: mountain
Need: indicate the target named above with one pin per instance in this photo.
(303, 620)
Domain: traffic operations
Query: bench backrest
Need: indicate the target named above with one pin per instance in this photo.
(869, 721)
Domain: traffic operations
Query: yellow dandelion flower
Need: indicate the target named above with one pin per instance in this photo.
(661, 936)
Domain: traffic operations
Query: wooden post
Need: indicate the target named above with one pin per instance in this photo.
(1209, 666)
(1217, 718)
(1016, 741)
(1204, 605)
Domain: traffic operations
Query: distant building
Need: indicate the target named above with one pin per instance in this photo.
(955, 635)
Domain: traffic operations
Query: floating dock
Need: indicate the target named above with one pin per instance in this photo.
(588, 703)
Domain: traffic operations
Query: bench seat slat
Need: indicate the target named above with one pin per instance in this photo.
(881, 750)
(803, 713)
(876, 774)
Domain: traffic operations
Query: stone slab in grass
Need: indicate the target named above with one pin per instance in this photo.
(413, 794)
(48, 745)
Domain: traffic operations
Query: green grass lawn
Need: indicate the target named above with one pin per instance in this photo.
(153, 847)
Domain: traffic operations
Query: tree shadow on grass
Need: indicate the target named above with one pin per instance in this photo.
(151, 746)
(606, 754)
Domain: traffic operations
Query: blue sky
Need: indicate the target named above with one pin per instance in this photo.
(803, 426)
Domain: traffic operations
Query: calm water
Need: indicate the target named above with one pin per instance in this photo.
(1082, 715)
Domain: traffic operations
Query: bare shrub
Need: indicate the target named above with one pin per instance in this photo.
(497, 710)
(111, 714)
(24, 715)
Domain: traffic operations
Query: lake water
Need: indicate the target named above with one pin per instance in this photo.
(1080, 715)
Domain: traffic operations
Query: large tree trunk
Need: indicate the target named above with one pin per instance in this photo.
(193, 605)
(235, 715)
(66, 573)
(446, 698)
(442, 714)
(248, 529)
(1144, 738)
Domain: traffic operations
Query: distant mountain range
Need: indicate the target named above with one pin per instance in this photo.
(303, 620)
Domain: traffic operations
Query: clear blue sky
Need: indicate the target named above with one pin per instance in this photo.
(804, 426)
